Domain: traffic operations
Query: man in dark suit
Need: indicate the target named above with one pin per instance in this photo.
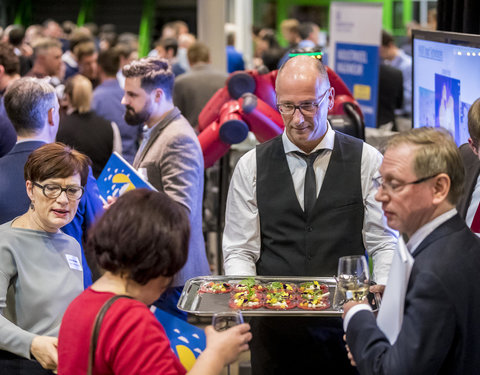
(32, 107)
(469, 202)
(421, 181)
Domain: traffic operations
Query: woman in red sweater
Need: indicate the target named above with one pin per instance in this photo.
(140, 243)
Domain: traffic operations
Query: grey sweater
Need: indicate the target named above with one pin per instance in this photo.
(40, 274)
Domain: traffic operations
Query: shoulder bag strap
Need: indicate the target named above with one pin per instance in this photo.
(96, 330)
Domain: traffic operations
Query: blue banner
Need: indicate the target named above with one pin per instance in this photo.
(358, 66)
(186, 340)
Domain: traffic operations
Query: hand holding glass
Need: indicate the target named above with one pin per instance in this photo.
(222, 321)
(353, 279)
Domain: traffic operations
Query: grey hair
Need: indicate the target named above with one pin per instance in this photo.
(27, 103)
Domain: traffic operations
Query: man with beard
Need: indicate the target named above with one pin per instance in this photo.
(169, 157)
(295, 205)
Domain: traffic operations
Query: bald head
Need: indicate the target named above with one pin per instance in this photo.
(303, 67)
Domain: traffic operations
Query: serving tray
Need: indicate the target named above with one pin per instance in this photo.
(207, 304)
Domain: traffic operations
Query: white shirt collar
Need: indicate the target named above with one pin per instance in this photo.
(428, 228)
(326, 143)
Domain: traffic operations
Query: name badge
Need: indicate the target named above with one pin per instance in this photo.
(74, 262)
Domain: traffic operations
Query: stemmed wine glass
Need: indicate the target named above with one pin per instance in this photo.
(224, 320)
(353, 280)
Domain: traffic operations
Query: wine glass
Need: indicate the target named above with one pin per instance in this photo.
(224, 320)
(353, 280)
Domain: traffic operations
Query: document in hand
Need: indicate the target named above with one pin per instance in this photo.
(390, 316)
(118, 177)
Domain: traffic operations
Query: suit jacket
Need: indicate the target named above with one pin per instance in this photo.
(173, 161)
(471, 164)
(14, 200)
(194, 89)
(440, 333)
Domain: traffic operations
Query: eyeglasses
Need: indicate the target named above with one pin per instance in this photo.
(54, 190)
(307, 109)
(393, 187)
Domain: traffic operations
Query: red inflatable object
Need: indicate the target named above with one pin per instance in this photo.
(225, 121)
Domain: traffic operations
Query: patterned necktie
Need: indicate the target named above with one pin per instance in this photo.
(310, 187)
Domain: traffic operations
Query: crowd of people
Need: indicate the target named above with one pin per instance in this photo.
(296, 203)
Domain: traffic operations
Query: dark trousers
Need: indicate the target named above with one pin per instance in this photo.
(298, 345)
(168, 302)
(12, 364)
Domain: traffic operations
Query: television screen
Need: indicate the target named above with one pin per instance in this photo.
(446, 80)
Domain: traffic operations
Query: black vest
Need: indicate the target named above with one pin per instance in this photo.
(293, 244)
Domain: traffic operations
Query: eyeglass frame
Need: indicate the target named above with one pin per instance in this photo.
(387, 187)
(299, 107)
(62, 189)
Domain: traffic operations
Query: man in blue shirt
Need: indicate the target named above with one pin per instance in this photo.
(106, 102)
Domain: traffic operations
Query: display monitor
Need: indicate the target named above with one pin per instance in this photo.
(446, 80)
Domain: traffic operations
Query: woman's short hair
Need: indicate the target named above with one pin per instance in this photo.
(79, 91)
(56, 160)
(142, 236)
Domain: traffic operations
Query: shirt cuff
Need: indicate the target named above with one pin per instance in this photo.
(352, 312)
(240, 267)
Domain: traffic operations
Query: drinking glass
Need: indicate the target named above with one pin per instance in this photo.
(353, 280)
(224, 320)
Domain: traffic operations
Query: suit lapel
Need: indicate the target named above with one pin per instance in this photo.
(454, 224)
(171, 116)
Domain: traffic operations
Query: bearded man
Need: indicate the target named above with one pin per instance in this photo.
(170, 158)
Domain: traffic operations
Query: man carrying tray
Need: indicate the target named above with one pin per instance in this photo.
(295, 205)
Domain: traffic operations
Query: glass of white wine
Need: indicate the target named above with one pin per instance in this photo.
(353, 280)
(224, 320)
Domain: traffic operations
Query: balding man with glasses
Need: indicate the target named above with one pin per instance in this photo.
(295, 205)
(433, 327)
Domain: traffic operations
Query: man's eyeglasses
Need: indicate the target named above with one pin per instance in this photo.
(53, 191)
(307, 109)
(394, 187)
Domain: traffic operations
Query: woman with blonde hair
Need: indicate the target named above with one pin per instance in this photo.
(82, 129)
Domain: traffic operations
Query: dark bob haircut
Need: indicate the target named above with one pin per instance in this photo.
(142, 236)
(56, 160)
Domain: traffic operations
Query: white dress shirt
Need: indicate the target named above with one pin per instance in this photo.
(394, 297)
(241, 237)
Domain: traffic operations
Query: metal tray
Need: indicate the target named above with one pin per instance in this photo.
(207, 304)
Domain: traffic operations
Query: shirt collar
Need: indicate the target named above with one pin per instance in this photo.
(326, 143)
(428, 228)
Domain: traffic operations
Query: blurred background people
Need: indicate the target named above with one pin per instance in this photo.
(47, 59)
(394, 56)
(107, 98)
(234, 58)
(192, 90)
(166, 48)
(76, 37)
(141, 243)
(9, 72)
(86, 55)
(390, 95)
(82, 129)
(41, 266)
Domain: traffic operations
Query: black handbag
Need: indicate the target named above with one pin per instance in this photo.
(96, 330)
